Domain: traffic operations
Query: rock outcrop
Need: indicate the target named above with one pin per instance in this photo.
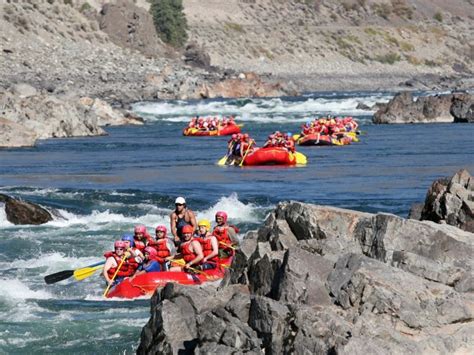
(316, 279)
(27, 115)
(24, 212)
(404, 109)
(462, 108)
(451, 201)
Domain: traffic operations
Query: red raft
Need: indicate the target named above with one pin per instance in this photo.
(224, 131)
(323, 139)
(146, 284)
(270, 156)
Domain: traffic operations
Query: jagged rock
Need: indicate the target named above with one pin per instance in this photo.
(415, 211)
(451, 201)
(24, 212)
(403, 109)
(106, 115)
(16, 135)
(362, 106)
(462, 108)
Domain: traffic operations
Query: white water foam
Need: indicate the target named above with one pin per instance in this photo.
(3, 217)
(14, 291)
(261, 110)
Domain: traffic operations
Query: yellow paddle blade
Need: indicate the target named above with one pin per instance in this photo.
(222, 161)
(81, 274)
(296, 137)
(301, 158)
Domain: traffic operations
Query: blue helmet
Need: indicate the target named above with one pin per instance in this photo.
(289, 134)
(129, 238)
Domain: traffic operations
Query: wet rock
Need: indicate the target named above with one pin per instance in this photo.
(451, 201)
(404, 109)
(362, 106)
(415, 211)
(462, 108)
(24, 212)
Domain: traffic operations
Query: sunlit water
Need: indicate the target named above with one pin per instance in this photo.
(100, 187)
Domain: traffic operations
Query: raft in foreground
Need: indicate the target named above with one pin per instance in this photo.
(146, 284)
(274, 156)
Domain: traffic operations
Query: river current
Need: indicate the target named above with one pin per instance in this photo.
(100, 187)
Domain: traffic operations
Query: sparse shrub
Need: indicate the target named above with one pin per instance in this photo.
(413, 60)
(391, 40)
(389, 58)
(68, 2)
(333, 16)
(401, 8)
(170, 22)
(85, 7)
(234, 26)
(438, 16)
(383, 10)
(407, 47)
(371, 31)
(51, 2)
(431, 63)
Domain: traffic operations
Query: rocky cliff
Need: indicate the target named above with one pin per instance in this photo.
(318, 279)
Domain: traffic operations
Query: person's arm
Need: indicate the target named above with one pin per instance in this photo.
(171, 247)
(197, 249)
(173, 225)
(215, 249)
(232, 235)
(192, 218)
(109, 263)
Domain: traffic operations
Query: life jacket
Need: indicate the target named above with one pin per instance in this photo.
(222, 237)
(162, 251)
(207, 248)
(126, 270)
(188, 255)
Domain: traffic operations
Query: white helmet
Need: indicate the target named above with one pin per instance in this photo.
(180, 200)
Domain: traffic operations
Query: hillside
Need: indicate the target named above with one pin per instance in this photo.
(337, 41)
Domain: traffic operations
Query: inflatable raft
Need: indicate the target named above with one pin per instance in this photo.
(146, 284)
(224, 131)
(323, 139)
(274, 156)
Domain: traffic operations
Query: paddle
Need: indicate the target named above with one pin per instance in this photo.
(227, 245)
(86, 272)
(116, 272)
(63, 275)
(245, 155)
(182, 262)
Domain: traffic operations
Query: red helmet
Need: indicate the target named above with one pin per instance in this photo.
(187, 229)
(161, 229)
(234, 136)
(120, 244)
(151, 251)
(223, 215)
(140, 229)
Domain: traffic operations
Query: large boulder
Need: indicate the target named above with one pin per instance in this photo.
(195, 54)
(24, 212)
(451, 201)
(462, 108)
(404, 109)
(318, 279)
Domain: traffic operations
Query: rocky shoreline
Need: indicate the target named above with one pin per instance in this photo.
(318, 279)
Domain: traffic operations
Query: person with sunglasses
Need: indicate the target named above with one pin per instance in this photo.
(180, 217)
(113, 262)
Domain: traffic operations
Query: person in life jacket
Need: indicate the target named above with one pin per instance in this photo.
(210, 246)
(289, 142)
(164, 247)
(136, 256)
(190, 250)
(180, 217)
(141, 237)
(113, 262)
(247, 145)
(226, 235)
(150, 264)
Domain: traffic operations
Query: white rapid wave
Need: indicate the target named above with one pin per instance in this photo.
(260, 110)
(3, 217)
(14, 290)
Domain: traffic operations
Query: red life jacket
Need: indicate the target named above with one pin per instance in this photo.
(162, 251)
(207, 248)
(222, 237)
(126, 270)
(188, 255)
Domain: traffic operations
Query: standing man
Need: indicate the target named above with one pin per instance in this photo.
(180, 217)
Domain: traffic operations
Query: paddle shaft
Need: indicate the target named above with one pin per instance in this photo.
(113, 277)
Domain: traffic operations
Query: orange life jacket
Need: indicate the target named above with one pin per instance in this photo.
(188, 255)
(207, 248)
(127, 268)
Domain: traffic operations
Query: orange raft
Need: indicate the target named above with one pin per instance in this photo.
(323, 139)
(270, 156)
(224, 131)
(146, 284)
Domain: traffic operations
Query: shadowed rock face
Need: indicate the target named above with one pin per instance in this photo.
(462, 108)
(318, 279)
(451, 201)
(23, 212)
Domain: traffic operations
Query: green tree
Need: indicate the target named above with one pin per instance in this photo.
(170, 22)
